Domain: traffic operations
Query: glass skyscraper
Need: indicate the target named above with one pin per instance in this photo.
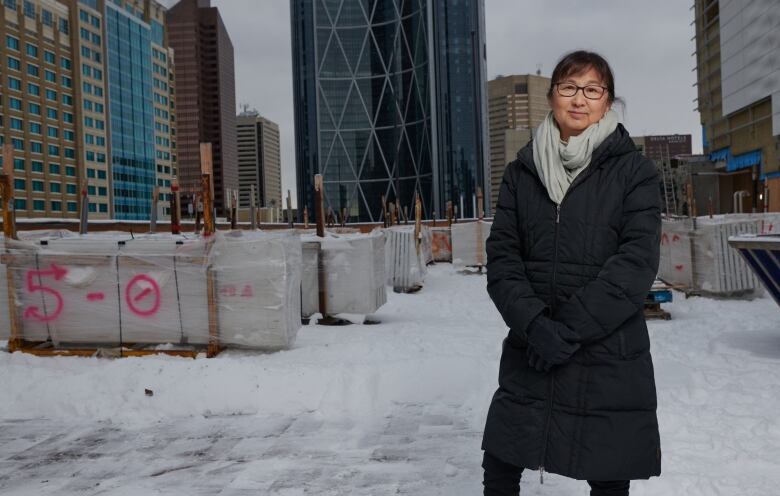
(130, 93)
(366, 108)
(461, 103)
(363, 103)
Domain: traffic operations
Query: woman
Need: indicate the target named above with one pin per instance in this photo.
(572, 254)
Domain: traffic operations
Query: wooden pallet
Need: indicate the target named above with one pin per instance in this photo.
(49, 349)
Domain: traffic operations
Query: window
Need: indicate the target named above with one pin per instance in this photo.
(86, 70)
(37, 186)
(15, 84)
(20, 184)
(52, 113)
(17, 124)
(67, 100)
(97, 74)
(36, 147)
(32, 50)
(50, 76)
(11, 4)
(91, 173)
(51, 95)
(32, 70)
(54, 150)
(15, 103)
(100, 141)
(94, 21)
(19, 164)
(70, 171)
(55, 188)
(49, 57)
(20, 204)
(33, 89)
(95, 39)
(47, 18)
(14, 64)
(68, 135)
(73, 207)
(37, 165)
(65, 63)
(12, 43)
(56, 206)
(101, 158)
(86, 88)
(99, 108)
(34, 108)
(90, 155)
(99, 124)
(102, 191)
(89, 139)
(101, 174)
(39, 205)
(18, 144)
(70, 189)
(84, 33)
(92, 207)
(54, 169)
(29, 9)
(67, 82)
(70, 153)
(103, 208)
(64, 26)
(89, 122)
(87, 105)
(53, 132)
(67, 117)
(91, 190)
(98, 91)
(35, 128)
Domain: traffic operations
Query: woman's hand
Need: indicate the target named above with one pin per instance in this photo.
(549, 343)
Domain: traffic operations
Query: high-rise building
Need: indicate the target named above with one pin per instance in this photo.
(738, 82)
(205, 96)
(259, 161)
(94, 81)
(38, 106)
(127, 103)
(366, 103)
(461, 104)
(517, 105)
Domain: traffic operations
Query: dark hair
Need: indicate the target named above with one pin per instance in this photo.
(577, 62)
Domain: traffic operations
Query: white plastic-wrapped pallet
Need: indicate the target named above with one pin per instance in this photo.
(5, 323)
(66, 288)
(354, 267)
(259, 288)
(468, 243)
(404, 262)
(163, 290)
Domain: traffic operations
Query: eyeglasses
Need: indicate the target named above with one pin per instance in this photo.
(591, 91)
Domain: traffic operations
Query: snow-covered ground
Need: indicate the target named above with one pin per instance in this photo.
(395, 408)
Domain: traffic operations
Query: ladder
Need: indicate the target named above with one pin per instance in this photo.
(670, 191)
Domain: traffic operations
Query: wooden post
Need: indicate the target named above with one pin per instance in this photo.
(343, 216)
(289, 210)
(318, 206)
(175, 209)
(406, 214)
(321, 279)
(153, 212)
(84, 214)
(198, 211)
(7, 193)
(213, 307)
(233, 210)
(480, 200)
(449, 214)
(305, 216)
(252, 211)
(384, 212)
(207, 188)
(392, 214)
(398, 211)
(417, 223)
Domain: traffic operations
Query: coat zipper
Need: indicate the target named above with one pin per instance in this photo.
(552, 374)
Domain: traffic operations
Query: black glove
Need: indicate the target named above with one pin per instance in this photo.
(549, 343)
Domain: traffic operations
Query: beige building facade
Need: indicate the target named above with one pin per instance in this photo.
(259, 161)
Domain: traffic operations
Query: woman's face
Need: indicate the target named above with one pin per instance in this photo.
(574, 114)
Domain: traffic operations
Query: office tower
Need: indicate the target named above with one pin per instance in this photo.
(259, 161)
(205, 96)
(738, 81)
(461, 104)
(38, 106)
(517, 105)
(369, 82)
(662, 148)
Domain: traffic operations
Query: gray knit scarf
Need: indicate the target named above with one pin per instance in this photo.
(559, 163)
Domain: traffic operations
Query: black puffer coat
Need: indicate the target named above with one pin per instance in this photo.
(588, 264)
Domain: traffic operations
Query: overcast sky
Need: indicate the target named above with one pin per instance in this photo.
(648, 45)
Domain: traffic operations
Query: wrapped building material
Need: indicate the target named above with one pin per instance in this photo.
(354, 266)
(108, 290)
(441, 244)
(762, 253)
(259, 287)
(468, 243)
(695, 253)
(404, 260)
